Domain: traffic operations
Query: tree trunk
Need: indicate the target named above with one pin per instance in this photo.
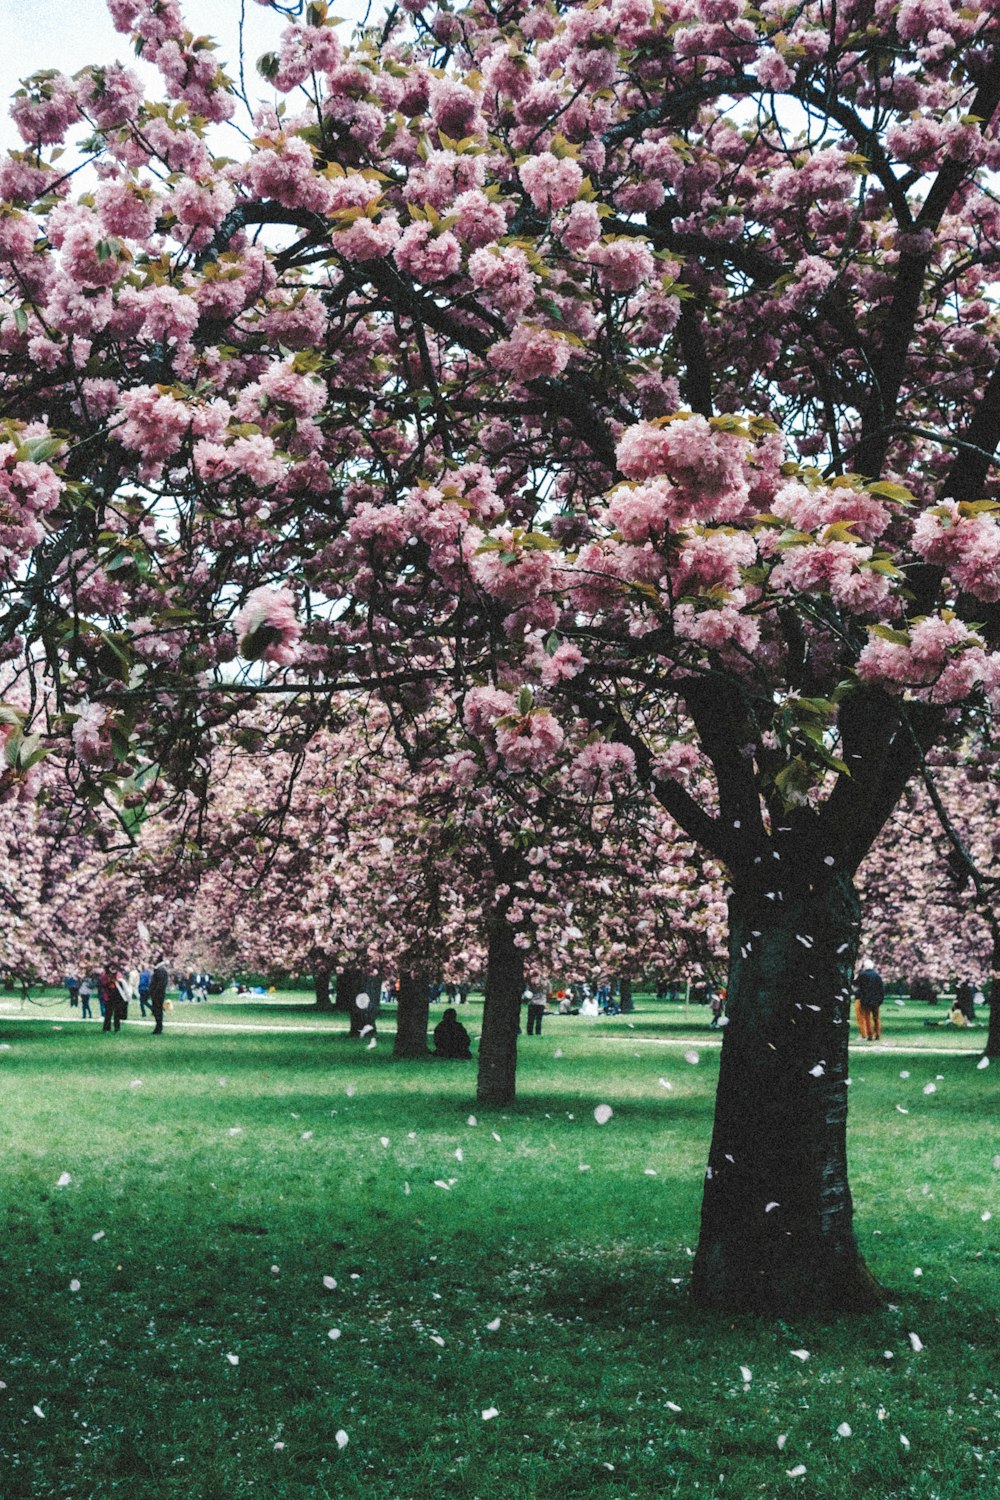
(625, 994)
(993, 1035)
(348, 985)
(501, 1015)
(321, 983)
(412, 1010)
(777, 1235)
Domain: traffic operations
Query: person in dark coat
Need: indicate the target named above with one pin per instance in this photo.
(158, 993)
(450, 1037)
(113, 1005)
(870, 992)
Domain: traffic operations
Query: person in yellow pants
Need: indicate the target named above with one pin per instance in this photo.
(870, 992)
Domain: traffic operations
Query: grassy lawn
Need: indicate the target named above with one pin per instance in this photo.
(166, 1328)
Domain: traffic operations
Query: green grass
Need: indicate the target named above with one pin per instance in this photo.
(207, 1157)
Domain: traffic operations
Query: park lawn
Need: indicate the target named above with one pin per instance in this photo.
(202, 1161)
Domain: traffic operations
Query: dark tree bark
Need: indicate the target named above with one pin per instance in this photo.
(993, 1035)
(321, 984)
(348, 985)
(501, 1015)
(625, 994)
(412, 1010)
(777, 1232)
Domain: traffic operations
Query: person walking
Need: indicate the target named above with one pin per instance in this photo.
(142, 990)
(536, 1011)
(870, 992)
(158, 993)
(86, 1014)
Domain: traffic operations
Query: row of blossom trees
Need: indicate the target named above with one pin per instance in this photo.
(622, 378)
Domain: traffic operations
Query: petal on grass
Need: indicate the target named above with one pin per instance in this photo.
(341, 1438)
(489, 1413)
(64, 1180)
(603, 1113)
(330, 1283)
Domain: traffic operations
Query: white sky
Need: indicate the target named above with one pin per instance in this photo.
(67, 34)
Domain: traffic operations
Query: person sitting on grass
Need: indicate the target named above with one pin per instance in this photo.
(450, 1037)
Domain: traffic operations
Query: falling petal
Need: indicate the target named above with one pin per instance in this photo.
(236, 1130)
(802, 1354)
(440, 1184)
(459, 1156)
(38, 1412)
(64, 1180)
(373, 1043)
(350, 1091)
(494, 1135)
(916, 1343)
(307, 1135)
(818, 1071)
(902, 1111)
(489, 1413)
(98, 1236)
(494, 1325)
(769, 1206)
(341, 1438)
(983, 1062)
(233, 1359)
(747, 1373)
(603, 1113)
(665, 1084)
(649, 1171)
(797, 1472)
(844, 1430)
(782, 1440)
(930, 1088)
(672, 1406)
(584, 1167)
(278, 1447)
(691, 1057)
(333, 1333)
(917, 1271)
(472, 1120)
(330, 1283)
(136, 1083)
(437, 1339)
(558, 1052)
(74, 1285)
(384, 1140)
(905, 1442)
(985, 1215)
(888, 1354)
(905, 1073)
(275, 1270)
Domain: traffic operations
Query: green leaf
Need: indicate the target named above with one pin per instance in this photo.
(21, 319)
(886, 633)
(884, 490)
(525, 700)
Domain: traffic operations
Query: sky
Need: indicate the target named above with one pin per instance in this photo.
(67, 34)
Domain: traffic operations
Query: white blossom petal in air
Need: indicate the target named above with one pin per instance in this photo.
(768, 1207)
(383, 1140)
(136, 1083)
(649, 1171)
(278, 1447)
(38, 1412)
(747, 1373)
(782, 1440)
(98, 1236)
(558, 1052)
(74, 1285)
(64, 1180)
(341, 1438)
(436, 1338)
(930, 1088)
(236, 1130)
(494, 1135)
(818, 1071)
(472, 1120)
(802, 1354)
(603, 1113)
(904, 1442)
(584, 1167)
(983, 1062)
(494, 1325)
(986, 1216)
(902, 1111)
(233, 1359)
(307, 1135)
(844, 1430)
(665, 1083)
(916, 1343)
(917, 1271)
(459, 1155)
(905, 1073)
(489, 1413)
(672, 1406)
(330, 1283)
(333, 1333)
(275, 1270)
(438, 1183)
(797, 1472)
(692, 1057)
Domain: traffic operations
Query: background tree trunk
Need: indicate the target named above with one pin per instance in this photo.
(348, 985)
(321, 984)
(412, 1010)
(501, 1015)
(993, 1035)
(625, 994)
(777, 1232)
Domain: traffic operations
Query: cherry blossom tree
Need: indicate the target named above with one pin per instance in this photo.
(628, 371)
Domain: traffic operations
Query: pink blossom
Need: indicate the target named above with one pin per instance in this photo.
(479, 221)
(707, 466)
(483, 706)
(267, 627)
(967, 544)
(622, 264)
(44, 111)
(531, 352)
(454, 108)
(91, 734)
(529, 742)
(601, 763)
(426, 256)
(503, 278)
(155, 423)
(168, 313)
(550, 183)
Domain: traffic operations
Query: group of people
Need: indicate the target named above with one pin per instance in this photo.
(869, 994)
(116, 988)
